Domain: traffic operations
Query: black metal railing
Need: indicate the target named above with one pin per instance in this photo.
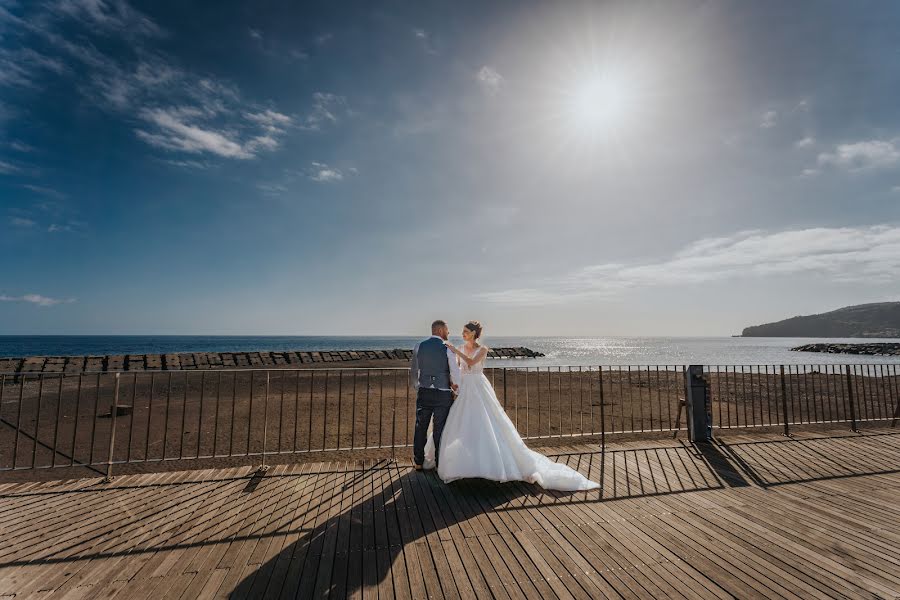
(98, 420)
(746, 396)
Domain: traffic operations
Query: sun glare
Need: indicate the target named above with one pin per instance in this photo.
(599, 103)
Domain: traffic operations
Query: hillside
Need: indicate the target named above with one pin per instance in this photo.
(878, 320)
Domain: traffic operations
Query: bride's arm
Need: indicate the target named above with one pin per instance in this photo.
(479, 356)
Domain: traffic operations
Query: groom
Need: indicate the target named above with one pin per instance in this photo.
(434, 373)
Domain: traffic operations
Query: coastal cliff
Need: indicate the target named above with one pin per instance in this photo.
(878, 320)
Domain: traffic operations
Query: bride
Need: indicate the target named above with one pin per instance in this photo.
(480, 440)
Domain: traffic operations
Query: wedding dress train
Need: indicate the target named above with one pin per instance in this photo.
(480, 440)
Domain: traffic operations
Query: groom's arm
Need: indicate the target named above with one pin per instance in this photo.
(454, 367)
(414, 369)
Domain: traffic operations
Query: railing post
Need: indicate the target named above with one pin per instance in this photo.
(602, 410)
(264, 467)
(787, 428)
(897, 401)
(504, 388)
(393, 420)
(853, 427)
(697, 403)
(113, 413)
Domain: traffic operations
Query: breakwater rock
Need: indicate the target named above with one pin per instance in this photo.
(218, 360)
(880, 349)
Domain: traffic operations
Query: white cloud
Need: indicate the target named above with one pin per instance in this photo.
(864, 155)
(276, 49)
(173, 133)
(896, 189)
(44, 191)
(115, 16)
(7, 168)
(183, 111)
(806, 142)
(273, 124)
(7, 16)
(187, 164)
(270, 120)
(21, 146)
(425, 39)
(262, 142)
(70, 227)
(324, 174)
(768, 119)
(22, 222)
(13, 74)
(184, 129)
(36, 299)
(323, 38)
(809, 172)
(868, 255)
(271, 189)
(22, 67)
(490, 79)
(326, 109)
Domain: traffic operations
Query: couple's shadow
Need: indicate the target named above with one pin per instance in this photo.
(349, 527)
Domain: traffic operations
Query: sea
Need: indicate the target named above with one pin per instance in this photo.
(559, 351)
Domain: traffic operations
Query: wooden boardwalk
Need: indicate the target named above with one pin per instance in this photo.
(753, 516)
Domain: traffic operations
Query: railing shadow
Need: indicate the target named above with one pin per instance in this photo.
(327, 521)
(345, 529)
(770, 463)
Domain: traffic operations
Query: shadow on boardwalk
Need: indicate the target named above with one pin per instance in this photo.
(355, 528)
(359, 523)
(392, 529)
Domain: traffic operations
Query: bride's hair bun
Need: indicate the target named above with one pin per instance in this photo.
(475, 327)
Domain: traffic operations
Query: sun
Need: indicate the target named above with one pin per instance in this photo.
(598, 102)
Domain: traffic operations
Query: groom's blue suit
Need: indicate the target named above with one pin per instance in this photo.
(430, 374)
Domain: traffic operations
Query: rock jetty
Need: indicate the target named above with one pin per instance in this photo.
(880, 349)
(217, 360)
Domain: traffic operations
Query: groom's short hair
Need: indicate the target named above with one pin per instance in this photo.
(437, 325)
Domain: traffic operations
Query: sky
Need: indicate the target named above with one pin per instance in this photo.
(351, 168)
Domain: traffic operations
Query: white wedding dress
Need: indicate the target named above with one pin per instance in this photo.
(480, 440)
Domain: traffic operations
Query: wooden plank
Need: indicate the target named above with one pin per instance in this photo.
(486, 567)
(261, 561)
(423, 531)
(285, 545)
(323, 583)
(314, 489)
(410, 530)
(528, 582)
(780, 562)
(314, 551)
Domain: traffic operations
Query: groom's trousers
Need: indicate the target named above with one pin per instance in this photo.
(430, 403)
